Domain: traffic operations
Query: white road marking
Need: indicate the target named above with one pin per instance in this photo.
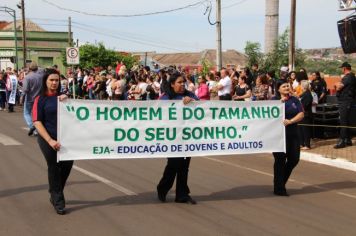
(239, 166)
(25, 128)
(8, 141)
(105, 181)
(271, 175)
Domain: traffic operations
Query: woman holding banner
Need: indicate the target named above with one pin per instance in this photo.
(45, 121)
(176, 166)
(284, 163)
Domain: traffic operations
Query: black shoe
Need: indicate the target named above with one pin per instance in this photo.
(340, 144)
(30, 132)
(161, 195)
(282, 193)
(187, 199)
(348, 142)
(58, 206)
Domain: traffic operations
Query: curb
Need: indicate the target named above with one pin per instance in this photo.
(338, 162)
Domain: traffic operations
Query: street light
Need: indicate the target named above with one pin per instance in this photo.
(21, 6)
(12, 12)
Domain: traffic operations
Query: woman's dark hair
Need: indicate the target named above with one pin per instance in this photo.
(303, 70)
(263, 78)
(290, 73)
(47, 73)
(279, 84)
(248, 72)
(299, 76)
(169, 90)
(211, 76)
(271, 73)
(243, 78)
(190, 78)
(317, 73)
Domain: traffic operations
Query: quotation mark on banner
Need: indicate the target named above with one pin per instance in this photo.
(81, 113)
(70, 108)
(244, 128)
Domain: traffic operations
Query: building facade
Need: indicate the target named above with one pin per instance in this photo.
(44, 47)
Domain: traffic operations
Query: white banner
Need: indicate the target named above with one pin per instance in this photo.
(13, 84)
(150, 129)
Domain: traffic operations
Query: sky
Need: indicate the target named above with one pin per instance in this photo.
(186, 30)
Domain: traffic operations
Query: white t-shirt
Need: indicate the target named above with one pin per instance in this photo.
(226, 83)
(315, 102)
(211, 84)
(143, 87)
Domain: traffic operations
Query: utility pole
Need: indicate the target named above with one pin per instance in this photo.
(24, 43)
(69, 31)
(70, 44)
(218, 31)
(16, 48)
(271, 24)
(292, 35)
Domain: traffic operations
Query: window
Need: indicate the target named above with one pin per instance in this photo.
(45, 61)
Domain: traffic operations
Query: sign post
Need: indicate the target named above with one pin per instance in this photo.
(72, 54)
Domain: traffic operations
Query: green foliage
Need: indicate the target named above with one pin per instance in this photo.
(330, 67)
(98, 56)
(206, 66)
(253, 52)
(275, 59)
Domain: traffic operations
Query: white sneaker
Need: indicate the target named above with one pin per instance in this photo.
(0, 109)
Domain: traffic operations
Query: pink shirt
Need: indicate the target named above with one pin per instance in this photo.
(203, 92)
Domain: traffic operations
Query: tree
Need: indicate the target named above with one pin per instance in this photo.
(98, 56)
(253, 52)
(275, 59)
(206, 67)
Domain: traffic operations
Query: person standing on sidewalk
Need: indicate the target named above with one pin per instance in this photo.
(2, 91)
(346, 92)
(11, 89)
(31, 88)
(224, 86)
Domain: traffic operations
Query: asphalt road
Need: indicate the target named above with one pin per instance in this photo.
(118, 197)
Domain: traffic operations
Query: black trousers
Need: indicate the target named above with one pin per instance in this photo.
(176, 167)
(58, 172)
(345, 110)
(2, 99)
(226, 97)
(305, 132)
(284, 163)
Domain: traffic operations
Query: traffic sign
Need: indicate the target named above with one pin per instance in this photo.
(72, 56)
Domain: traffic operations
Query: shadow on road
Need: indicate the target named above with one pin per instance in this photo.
(238, 193)
(16, 191)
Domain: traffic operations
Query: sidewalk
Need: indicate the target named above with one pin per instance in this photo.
(323, 152)
(325, 148)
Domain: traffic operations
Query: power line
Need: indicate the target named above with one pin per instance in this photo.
(137, 36)
(234, 4)
(130, 40)
(46, 19)
(123, 15)
(134, 36)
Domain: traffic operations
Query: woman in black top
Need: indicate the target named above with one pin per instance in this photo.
(307, 101)
(176, 167)
(2, 91)
(319, 86)
(284, 162)
(45, 120)
(242, 90)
